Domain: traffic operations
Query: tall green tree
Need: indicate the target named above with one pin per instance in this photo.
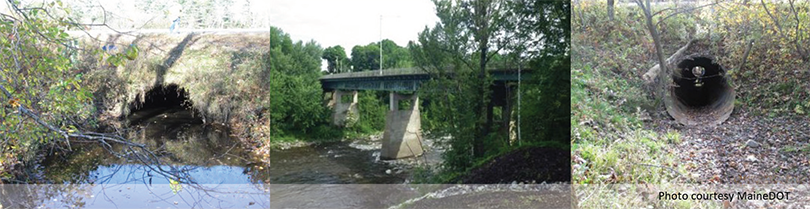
(468, 38)
(468, 35)
(296, 95)
(366, 57)
(336, 59)
(544, 29)
(395, 56)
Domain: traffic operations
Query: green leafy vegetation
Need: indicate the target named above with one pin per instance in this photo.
(43, 98)
(367, 57)
(31, 66)
(297, 97)
(469, 43)
(532, 35)
(336, 59)
(298, 109)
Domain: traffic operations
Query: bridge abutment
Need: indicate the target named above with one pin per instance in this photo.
(402, 129)
(344, 109)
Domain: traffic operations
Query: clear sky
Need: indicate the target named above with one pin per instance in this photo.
(352, 22)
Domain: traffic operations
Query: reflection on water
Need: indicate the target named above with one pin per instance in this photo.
(221, 174)
(208, 157)
(133, 196)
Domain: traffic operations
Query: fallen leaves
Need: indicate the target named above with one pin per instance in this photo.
(14, 102)
(748, 149)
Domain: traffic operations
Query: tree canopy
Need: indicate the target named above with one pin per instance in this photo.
(296, 97)
(395, 56)
(366, 57)
(470, 36)
(336, 59)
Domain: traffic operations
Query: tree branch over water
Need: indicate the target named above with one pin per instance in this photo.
(42, 94)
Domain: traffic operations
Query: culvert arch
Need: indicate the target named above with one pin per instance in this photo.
(157, 100)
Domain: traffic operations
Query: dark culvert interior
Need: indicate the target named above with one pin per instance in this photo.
(702, 94)
(158, 100)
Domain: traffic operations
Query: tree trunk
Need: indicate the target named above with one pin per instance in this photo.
(482, 36)
(610, 8)
(658, 51)
(745, 56)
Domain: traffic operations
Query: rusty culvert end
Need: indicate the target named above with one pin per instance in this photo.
(700, 92)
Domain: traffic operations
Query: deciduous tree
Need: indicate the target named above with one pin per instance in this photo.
(336, 59)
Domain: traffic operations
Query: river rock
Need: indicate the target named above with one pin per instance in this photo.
(752, 143)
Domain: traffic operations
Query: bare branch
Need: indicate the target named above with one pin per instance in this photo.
(656, 40)
(683, 11)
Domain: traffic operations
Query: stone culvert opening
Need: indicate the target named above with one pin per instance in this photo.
(701, 93)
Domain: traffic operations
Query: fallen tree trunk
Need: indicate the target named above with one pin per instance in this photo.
(652, 73)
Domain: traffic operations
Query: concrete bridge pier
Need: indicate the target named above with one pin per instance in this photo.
(403, 129)
(504, 97)
(344, 110)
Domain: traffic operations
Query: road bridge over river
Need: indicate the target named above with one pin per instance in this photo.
(403, 124)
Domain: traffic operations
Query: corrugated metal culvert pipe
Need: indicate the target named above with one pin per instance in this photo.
(700, 92)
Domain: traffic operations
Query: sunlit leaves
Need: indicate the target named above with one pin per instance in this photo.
(175, 186)
(132, 52)
(115, 60)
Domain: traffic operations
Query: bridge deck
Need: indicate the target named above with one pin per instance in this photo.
(399, 79)
(377, 73)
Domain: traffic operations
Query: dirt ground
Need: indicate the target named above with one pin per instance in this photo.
(746, 148)
(529, 165)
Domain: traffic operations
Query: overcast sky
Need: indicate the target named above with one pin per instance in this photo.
(352, 22)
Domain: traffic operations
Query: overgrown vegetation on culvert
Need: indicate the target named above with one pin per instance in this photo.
(621, 131)
(58, 90)
(225, 75)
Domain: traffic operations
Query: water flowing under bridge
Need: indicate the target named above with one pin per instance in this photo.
(403, 124)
